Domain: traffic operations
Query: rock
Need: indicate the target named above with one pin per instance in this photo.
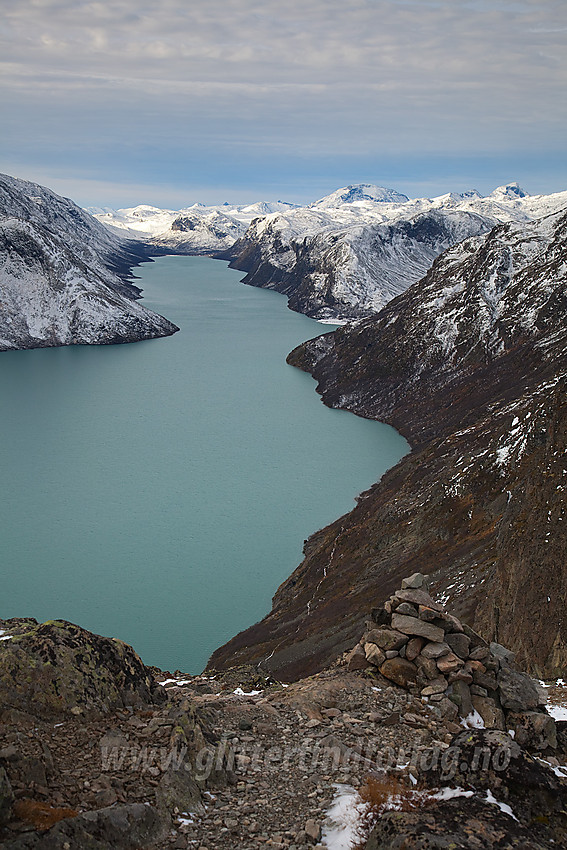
(449, 711)
(460, 694)
(414, 647)
(436, 686)
(436, 649)
(178, 789)
(126, 827)
(392, 653)
(313, 830)
(414, 582)
(427, 666)
(407, 609)
(415, 627)
(387, 638)
(373, 654)
(502, 653)
(459, 643)
(460, 676)
(418, 597)
(479, 653)
(485, 680)
(517, 690)
(476, 639)
(492, 715)
(357, 659)
(6, 797)
(449, 663)
(533, 729)
(55, 668)
(477, 691)
(400, 671)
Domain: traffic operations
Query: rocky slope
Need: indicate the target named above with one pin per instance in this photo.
(370, 751)
(348, 254)
(471, 366)
(64, 277)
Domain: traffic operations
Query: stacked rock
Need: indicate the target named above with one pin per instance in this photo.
(415, 643)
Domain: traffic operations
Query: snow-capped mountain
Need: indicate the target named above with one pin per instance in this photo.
(197, 229)
(360, 194)
(348, 254)
(63, 276)
(470, 364)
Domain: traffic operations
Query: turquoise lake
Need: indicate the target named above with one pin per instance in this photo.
(159, 492)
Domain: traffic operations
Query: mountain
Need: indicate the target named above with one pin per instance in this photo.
(197, 229)
(345, 256)
(359, 194)
(64, 277)
(470, 365)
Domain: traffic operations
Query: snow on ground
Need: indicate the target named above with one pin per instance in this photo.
(341, 830)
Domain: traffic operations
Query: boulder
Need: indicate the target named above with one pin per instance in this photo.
(414, 582)
(373, 654)
(418, 597)
(415, 627)
(356, 659)
(449, 663)
(502, 653)
(435, 686)
(408, 609)
(57, 668)
(533, 729)
(460, 694)
(400, 671)
(414, 647)
(517, 691)
(124, 827)
(387, 638)
(492, 715)
(459, 643)
(435, 649)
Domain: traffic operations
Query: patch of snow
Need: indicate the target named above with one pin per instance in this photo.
(504, 807)
(240, 693)
(451, 793)
(341, 829)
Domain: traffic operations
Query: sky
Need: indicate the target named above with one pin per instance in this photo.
(176, 101)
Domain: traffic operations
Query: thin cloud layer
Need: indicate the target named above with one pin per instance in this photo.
(96, 82)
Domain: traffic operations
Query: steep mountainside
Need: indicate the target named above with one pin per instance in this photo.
(63, 276)
(470, 365)
(348, 254)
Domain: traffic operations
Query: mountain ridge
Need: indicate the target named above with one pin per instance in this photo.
(470, 365)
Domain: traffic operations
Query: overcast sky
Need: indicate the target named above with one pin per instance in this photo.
(123, 102)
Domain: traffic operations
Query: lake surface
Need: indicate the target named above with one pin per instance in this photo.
(160, 491)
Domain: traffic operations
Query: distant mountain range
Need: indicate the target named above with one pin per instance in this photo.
(339, 258)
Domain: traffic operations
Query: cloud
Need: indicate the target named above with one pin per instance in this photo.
(303, 78)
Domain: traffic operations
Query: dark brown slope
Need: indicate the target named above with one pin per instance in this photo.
(469, 364)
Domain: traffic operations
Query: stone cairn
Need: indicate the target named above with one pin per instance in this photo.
(415, 643)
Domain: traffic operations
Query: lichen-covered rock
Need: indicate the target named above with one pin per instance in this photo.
(58, 668)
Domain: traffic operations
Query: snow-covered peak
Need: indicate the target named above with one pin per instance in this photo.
(510, 190)
(360, 193)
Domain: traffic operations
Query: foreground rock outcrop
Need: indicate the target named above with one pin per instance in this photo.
(238, 760)
(64, 278)
(470, 366)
